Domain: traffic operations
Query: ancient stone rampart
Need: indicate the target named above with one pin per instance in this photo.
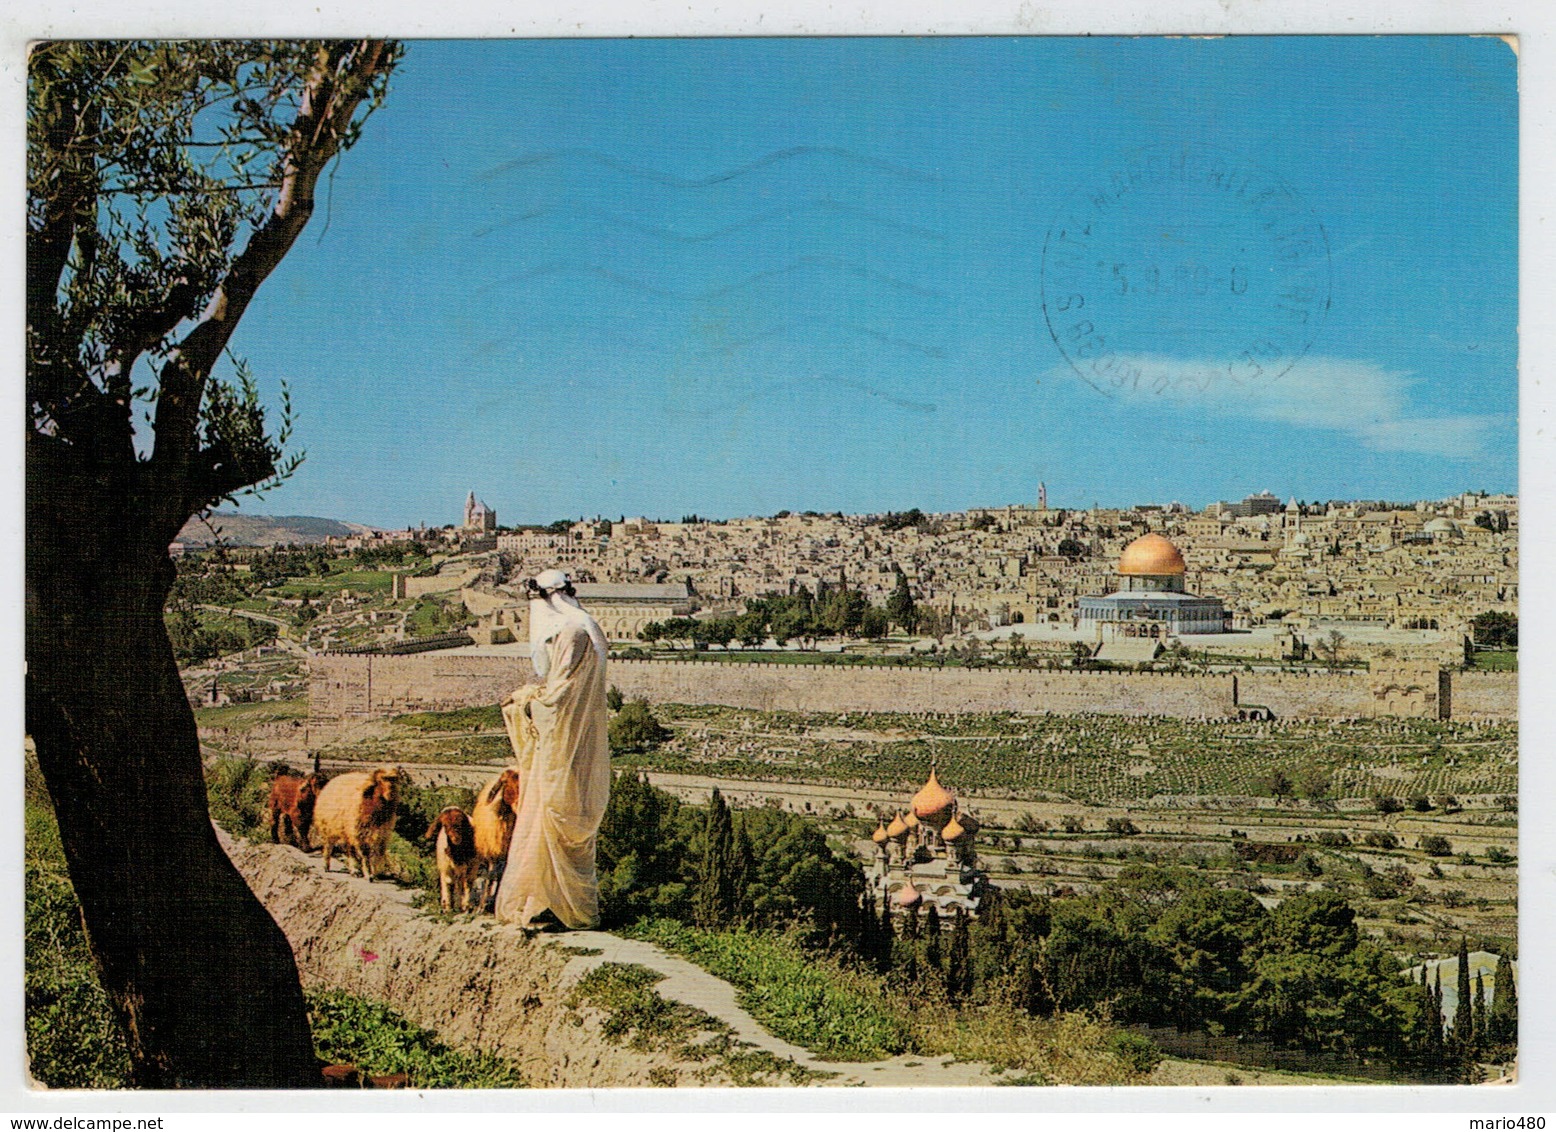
(1485, 695)
(363, 687)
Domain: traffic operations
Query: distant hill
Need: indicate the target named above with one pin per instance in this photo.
(265, 530)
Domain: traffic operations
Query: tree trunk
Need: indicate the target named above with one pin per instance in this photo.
(201, 978)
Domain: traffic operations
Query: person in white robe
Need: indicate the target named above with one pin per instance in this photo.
(558, 729)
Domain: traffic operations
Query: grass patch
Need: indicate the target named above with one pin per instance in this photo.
(377, 1040)
(1497, 660)
(73, 1041)
(636, 1015)
(242, 717)
(486, 718)
(801, 998)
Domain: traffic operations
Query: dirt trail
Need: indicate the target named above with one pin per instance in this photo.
(488, 986)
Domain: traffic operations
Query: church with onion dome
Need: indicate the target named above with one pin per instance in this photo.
(926, 855)
(1151, 600)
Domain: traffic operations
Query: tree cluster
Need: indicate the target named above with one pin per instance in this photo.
(719, 868)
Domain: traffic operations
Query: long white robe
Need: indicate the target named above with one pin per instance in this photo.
(563, 755)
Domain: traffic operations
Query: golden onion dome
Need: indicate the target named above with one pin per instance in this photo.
(933, 799)
(880, 834)
(1151, 555)
(952, 831)
(910, 819)
(908, 896)
(897, 828)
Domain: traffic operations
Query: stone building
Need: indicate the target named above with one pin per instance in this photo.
(1151, 600)
(478, 516)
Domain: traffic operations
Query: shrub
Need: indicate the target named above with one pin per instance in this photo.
(613, 698)
(1381, 839)
(73, 1041)
(1332, 838)
(1123, 827)
(1435, 845)
(1453, 897)
(636, 729)
(1387, 804)
(1498, 855)
(419, 806)
(238, 792)
(379, 1041)
(1029, 822)
(802, 998)
(1449, 804)
(1136, 1051)
(1072, 823)
(1421, 804)
(1508, 803)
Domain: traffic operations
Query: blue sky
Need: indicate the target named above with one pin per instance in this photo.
(735, 276)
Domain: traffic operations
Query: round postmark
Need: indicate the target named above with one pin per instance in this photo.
(1189, 269)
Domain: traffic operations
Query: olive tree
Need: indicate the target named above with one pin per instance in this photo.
(165, 181)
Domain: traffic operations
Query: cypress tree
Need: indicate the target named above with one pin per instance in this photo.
(1431, 1050)
(932, 954)
(1502, 1014)
(1480, 1011)
(740, 873)
(1464, 1008)
(715, 902)
(958, 968)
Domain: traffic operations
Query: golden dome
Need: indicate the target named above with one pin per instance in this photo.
(897, 828)
(952, 831)
(910, 820)
(880, 834)
(933, 799)
(1151, 554)
(908, 896)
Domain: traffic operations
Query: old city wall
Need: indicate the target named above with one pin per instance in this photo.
(1485, 695)
(359, 687)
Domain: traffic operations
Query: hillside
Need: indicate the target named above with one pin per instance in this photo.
(265, 530)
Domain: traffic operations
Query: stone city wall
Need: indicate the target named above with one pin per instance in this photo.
(360, 687)
(1485, 695)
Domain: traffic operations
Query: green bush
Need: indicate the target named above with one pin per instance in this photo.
(636, 729)
(1435, 845)
(1136, 1051)
(420, 805)
(1381, 839)
(1497, 855)
(73, 1041)
(379, 1041)
(798, 996)
(238, 793)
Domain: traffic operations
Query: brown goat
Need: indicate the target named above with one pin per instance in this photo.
(455, 854)
(496, 808)
(292, 799)
(356, 811)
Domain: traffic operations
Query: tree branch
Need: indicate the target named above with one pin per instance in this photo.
(342, 75)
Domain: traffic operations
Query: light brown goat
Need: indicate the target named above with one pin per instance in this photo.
(496, 806)
(356, 811)
(455, 855)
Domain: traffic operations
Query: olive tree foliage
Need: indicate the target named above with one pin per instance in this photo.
(165, 181)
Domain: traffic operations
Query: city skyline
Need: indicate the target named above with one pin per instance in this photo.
(740, 276)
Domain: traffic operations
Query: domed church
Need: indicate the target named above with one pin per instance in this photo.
(1150, 600)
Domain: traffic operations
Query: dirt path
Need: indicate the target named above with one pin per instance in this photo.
(488, 986)
(686, 982)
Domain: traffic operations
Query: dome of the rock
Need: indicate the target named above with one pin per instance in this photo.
(1151, 555)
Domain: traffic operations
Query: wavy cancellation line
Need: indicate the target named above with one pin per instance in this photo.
(830, 263)
(820, 204)
(531, 160)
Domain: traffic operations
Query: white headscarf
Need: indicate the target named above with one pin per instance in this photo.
(550, 613)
